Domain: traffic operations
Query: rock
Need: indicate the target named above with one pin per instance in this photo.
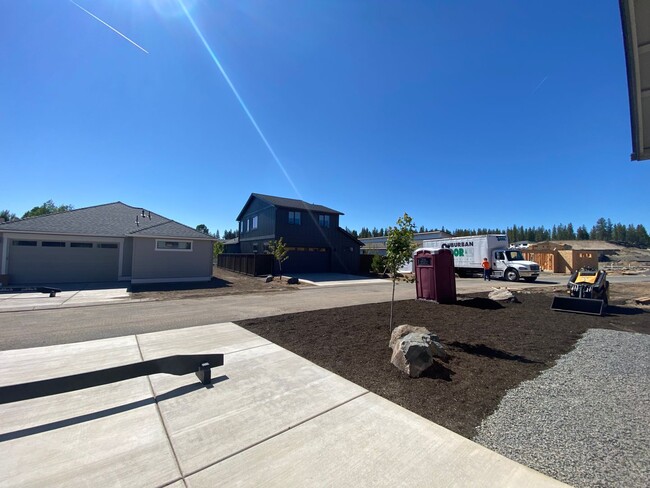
(402, 330)
(293, 281)
(642, 301)
(502, 295)
(269, 278)
(414, 349)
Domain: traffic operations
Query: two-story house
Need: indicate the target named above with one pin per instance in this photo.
(315, 242)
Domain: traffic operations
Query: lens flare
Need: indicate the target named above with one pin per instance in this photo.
(239, 98)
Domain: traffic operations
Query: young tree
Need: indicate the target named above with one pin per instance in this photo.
(280, 253)
(378, 264)
(217, 248)
(399, 250)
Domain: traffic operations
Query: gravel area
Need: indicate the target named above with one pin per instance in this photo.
(585, 421)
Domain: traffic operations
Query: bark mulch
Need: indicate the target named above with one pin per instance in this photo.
(493, 348)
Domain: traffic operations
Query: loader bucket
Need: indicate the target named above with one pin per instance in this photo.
(578, 305)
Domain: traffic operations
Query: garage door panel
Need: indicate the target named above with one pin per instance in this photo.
(37, 264)
(307, 262)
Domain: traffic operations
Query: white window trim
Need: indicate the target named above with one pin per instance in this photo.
(173, 250)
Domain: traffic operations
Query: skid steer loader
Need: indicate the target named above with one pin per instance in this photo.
(587, 291)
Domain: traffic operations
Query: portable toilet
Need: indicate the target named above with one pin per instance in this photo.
(434, 275)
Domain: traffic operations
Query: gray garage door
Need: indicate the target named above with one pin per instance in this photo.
(42, 262)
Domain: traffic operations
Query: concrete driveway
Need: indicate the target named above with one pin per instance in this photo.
(269, 418)
(71, 295)
(337, 279)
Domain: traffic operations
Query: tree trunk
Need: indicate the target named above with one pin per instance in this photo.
(392, 300)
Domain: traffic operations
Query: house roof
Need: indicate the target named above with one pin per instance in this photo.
(635, 18)
(287, 203)
(350, 236)
(109, 220)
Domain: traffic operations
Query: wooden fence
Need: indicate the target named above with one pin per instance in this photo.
(250, 264)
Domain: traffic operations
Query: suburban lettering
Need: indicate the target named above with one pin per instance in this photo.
(448, 245)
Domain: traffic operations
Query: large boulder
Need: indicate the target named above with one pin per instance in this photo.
(502, 295)
(405, 329)
(414, 350)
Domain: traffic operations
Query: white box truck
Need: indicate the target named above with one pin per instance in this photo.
(469, 252)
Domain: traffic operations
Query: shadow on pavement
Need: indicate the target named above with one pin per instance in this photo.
(183, 390)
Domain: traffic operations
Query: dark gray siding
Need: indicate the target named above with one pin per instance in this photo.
(345, 255)
(265, 230)
(309, 233)
(312, 246)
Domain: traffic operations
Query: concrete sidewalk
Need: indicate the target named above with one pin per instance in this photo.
(19, 301)
(338, 279)
(270, 418)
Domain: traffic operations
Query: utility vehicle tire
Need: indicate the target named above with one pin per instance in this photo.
(530, 280)
(511, 274)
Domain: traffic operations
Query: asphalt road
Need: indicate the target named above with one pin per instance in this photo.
(48, 327)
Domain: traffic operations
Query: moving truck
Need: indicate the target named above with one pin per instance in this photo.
(469, 252)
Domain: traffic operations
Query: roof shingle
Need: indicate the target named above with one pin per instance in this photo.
(109, 220)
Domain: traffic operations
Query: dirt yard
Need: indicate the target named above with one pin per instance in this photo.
(493, 347)
(223, 282)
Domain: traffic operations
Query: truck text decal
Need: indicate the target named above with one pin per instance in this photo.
(457, 244)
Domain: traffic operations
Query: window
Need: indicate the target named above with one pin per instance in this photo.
(81, 244)
(254, 223)
(25, 243)
(324, 220)
(173, 245)
(53, 244)
(294, 218)
(107, 245)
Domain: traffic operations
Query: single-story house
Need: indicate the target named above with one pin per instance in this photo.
(105, 243)
(377, 245)
(311, 232)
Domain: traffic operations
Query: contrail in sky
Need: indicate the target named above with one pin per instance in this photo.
(540, 84)
(111, 28)
(239, 99)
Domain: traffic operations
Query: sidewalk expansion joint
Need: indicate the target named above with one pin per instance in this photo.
(279, 433)
(160, 416)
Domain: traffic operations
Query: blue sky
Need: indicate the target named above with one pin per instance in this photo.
(464, 114)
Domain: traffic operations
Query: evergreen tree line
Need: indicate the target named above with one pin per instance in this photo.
(603, 230)
(227, 233)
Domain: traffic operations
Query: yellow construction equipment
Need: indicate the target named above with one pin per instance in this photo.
(588, 292)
